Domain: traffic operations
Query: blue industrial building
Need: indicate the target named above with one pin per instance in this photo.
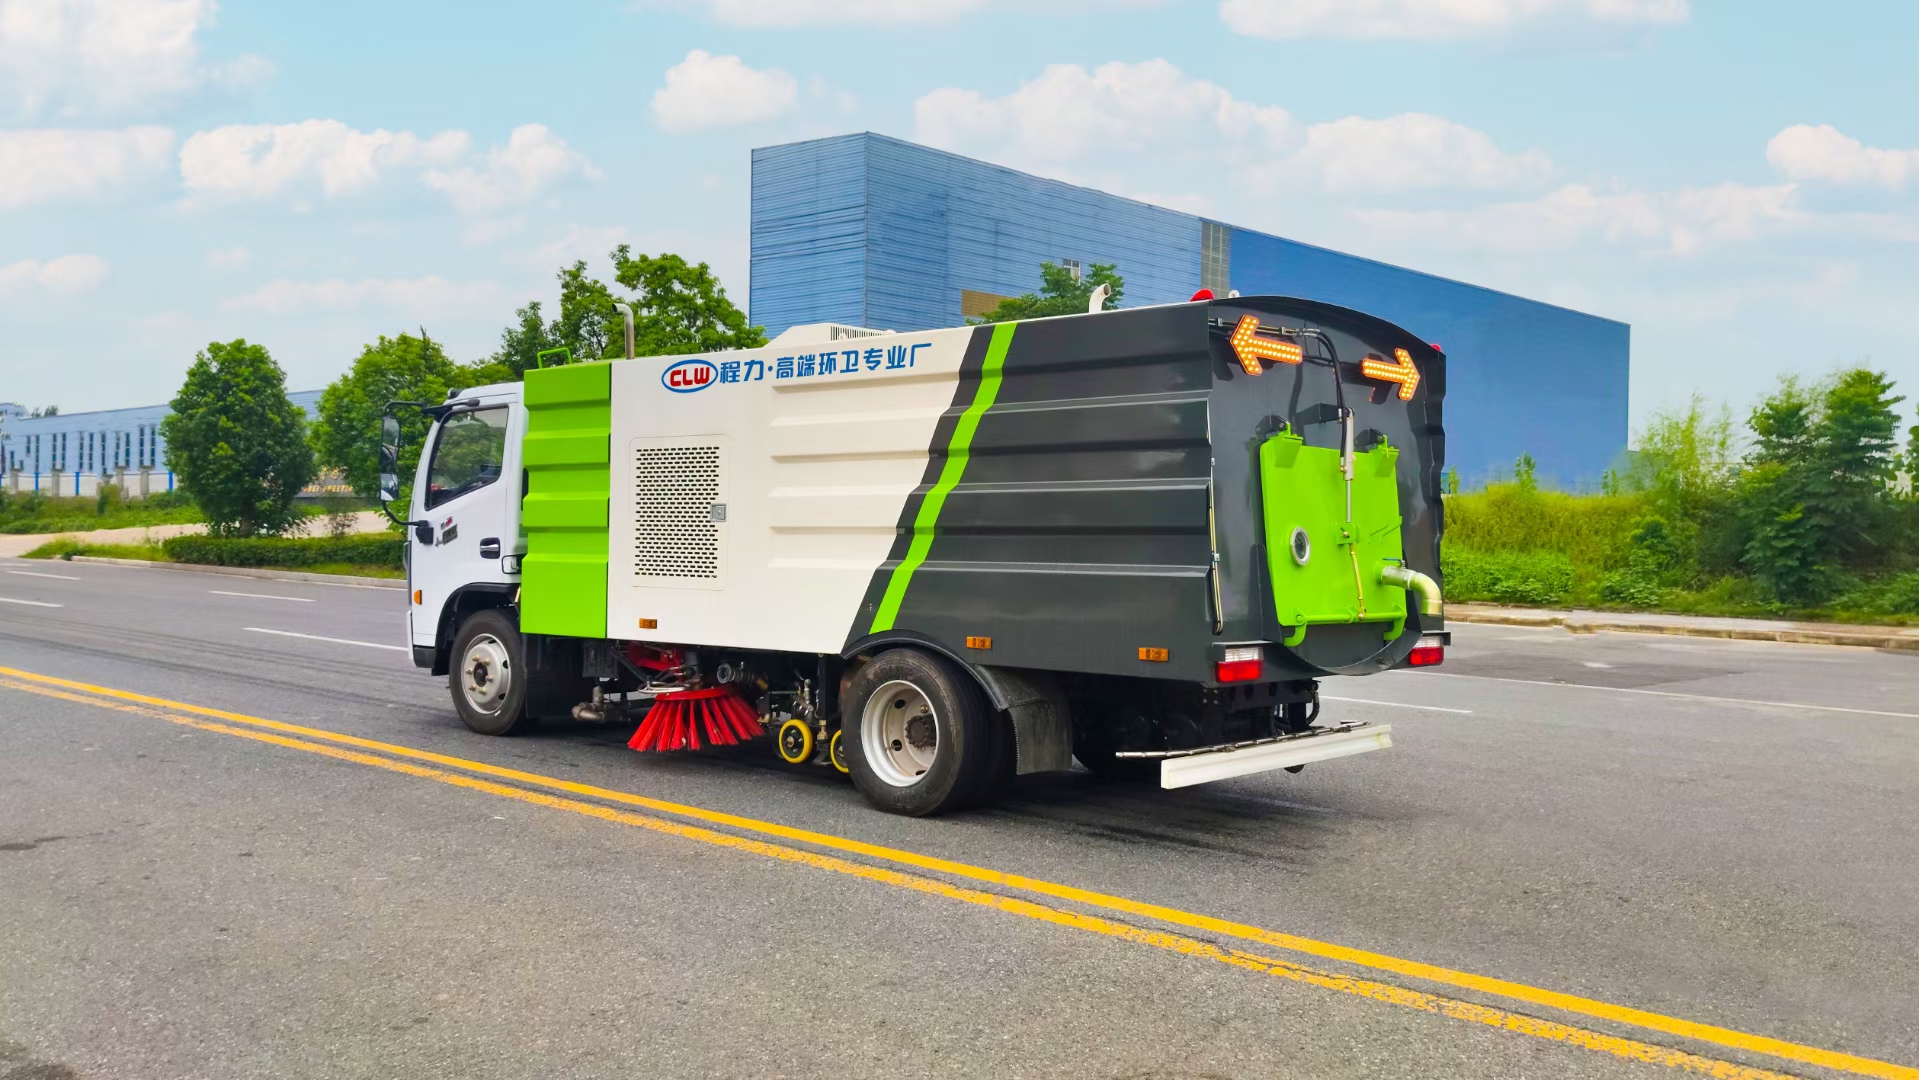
(872, 231)
(72, 453)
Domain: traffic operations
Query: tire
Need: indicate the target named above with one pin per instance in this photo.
(489, 674)
(919, 734)
(1101, 730)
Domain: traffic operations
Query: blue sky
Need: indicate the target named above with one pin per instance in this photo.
(1740, 181)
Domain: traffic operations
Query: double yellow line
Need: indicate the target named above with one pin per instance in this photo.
(480, 776)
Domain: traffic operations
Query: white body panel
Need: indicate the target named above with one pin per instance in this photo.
(814, 474)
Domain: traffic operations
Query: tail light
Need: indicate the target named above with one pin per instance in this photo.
(1427, 652)
(1239, 665)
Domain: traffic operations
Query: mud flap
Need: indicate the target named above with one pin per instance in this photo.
(1042, 724)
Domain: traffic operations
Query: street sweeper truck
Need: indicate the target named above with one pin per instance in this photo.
(936, 560)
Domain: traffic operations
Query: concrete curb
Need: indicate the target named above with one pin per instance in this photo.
(1902, 640)
(348, 580)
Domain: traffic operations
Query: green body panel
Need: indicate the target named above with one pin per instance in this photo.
(958, 452)
(569, 420)
(1302, 487)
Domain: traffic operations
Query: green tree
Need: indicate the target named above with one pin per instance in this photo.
(1061, 292)
(404, 368)
(1816, 497)
(237, 443)
(1525, 476)
(1686, 459)
(678, 307)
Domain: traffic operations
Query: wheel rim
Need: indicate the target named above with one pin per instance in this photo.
(796, 741)
(899, 733)
(486, 675)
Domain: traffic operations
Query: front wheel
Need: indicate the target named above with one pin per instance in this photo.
(489, 674)
(918, 734)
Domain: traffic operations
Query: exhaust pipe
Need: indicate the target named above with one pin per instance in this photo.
(626, 313)
(1416, 583)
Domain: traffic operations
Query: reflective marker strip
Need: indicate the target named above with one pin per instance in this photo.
(28, 603)
(957, 453)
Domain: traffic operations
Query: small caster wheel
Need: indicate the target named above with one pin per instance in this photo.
(837, 753)
(795, 742)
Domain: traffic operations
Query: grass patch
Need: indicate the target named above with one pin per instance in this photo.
(373, 555)
(290, 553)
(67, 548)
(37, 512)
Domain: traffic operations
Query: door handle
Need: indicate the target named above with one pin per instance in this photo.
(490, 548)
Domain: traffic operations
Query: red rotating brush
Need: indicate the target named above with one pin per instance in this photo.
(676, 720)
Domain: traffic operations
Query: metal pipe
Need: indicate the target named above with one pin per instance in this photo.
(1416, 583)
(626, 313)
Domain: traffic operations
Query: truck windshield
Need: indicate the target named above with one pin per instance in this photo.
(468, 456)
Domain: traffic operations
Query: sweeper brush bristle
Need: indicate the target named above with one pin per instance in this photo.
(678, 721)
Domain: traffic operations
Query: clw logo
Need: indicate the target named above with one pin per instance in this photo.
(689, 375)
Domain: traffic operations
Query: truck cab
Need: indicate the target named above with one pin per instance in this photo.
(465, 545)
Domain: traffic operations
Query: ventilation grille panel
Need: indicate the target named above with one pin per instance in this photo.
(674, 491)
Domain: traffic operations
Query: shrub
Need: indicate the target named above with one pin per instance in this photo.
(365, 549)
(1657, 561)
(1897, 595)
(1536, 578)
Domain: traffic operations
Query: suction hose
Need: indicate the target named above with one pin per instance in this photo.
(1416, 583)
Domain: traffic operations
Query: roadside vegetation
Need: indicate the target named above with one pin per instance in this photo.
(363, 554)
(1806, 511)
(39, 512)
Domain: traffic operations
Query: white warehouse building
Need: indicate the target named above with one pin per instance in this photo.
(73, 453)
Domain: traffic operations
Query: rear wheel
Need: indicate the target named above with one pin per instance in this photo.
(918, 734)
(489, 674)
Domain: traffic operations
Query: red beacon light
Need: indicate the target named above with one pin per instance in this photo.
(1239, 665)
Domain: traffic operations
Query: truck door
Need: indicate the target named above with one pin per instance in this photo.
(463, 495)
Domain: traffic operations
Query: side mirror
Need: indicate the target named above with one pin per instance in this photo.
(389, 459)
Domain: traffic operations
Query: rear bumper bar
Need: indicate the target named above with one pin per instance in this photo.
(1186, 768)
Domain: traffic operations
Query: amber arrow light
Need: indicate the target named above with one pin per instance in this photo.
(1403, 373)
(1252, 348)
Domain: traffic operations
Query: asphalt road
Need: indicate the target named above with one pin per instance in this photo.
(1717, 833)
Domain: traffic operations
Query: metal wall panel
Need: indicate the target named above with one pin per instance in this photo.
(873, 231)
(808, 240)
(1522, 377)
(940, 223)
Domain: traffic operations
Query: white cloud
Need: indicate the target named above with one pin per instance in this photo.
(532, 161)
(764, 13)
(78, 57)
(1823, 153)
(1070, 115)
(1443, 19)
(1149, 125)
(66, 274)
(1682, 222)
(50, 164)
(705, 91)
(415, 298)
(258, 161)
(229, 258)
(1412, 152)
